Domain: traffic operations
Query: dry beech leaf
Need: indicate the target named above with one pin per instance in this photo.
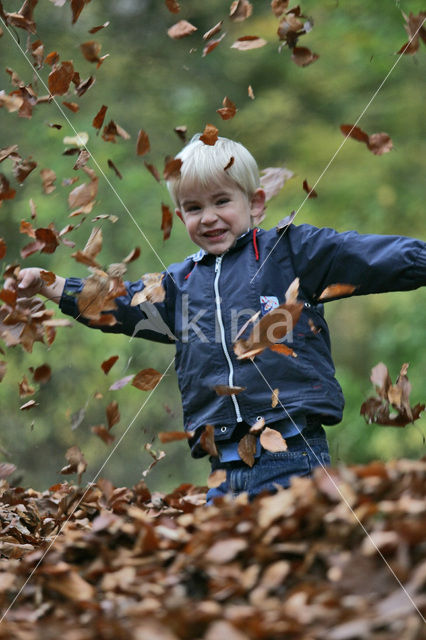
(272, 440)
(181, 131)
(225, 390)
(91, 51)
(257, 426)
(209, 135)
(153, 290)
(337, 291)
(28, 405)
(99, 27)
(311, 192)
(60, 78)
(99, 118)
(172, 168)
(250, 92)
(248, 42)
(72, 106)
(25, 389)
(42, 374)
(303, 56)
(279, 6)
(166, 221)
(216, 478)
(275, 398)
(153, 171)
(172, 436)
(247, 448)
(240, 10)
(213, 31)
(76, 461)
(228, 110)
(207, 441)
(377, 143)
(173, 6)
(142, 144)
(113, 414)
(181, 29)
(48, 177)
(3, 248)
(48, 277)
(273, 179)
(211, 45)
(114, 168)
(119, 384)
(102, 432)
(147, 379)
(132, 256)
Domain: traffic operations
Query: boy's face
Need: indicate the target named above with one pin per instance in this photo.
(215, 217)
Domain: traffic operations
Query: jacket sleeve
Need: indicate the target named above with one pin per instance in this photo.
(373, 263)
(146, 320)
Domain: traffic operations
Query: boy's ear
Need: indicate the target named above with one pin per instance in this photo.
(258, 206)
(179, 215)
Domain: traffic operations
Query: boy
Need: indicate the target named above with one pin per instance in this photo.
(238, 271)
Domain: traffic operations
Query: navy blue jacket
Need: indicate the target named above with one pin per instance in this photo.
(209, 298)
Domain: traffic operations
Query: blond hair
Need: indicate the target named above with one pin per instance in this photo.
(204, 164)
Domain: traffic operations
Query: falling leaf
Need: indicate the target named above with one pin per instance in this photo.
(111, 130)
(211, 45)
(77, 7)
(311, 192)
(257, 426)
(415, 28)
(207, 441)
(173, 6)
(166, 221)
(230, 163)
(181, 29)
(279, 6)
(102, 432)
(52, 58)
(181, 131)
(240, 10)
(209, 135)
(72, 106)
(172, 168)
(250, 92)
(377, 143)
(6, 193)
(99, 118)
(247, 448)
(119, 384)
(142, 144)
(48, 277)
(82, 160)
(286, 222)
(22, 168)
(96, 296)
(272, 440)
(113, 414)
(25, 389)
(108, 364)
(283, 349)
(91, 50)
(85, 85)
(3, 248)
(273, 179)
(147, 379)
(225, 390)
(248, 42)
(6, 469)
(79, 140)
(28, 405)
(228, 110)
(132, 256)
(213, 31)
(3, 366)
(216, 478)
(172, 436)
(82, 198)
(48, 177)
(11, 102)
(60, 78)
(114, 168)
(42, 374)
(275, 398)
(153, 290)
(303, 56)
(337, 291)
(153, 171)
(98, 28)
(76, 462)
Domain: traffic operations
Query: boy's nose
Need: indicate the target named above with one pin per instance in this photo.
(209, 215)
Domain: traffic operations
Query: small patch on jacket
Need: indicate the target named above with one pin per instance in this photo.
(267, 303)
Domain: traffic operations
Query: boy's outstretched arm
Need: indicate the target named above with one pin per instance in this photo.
(30, 283)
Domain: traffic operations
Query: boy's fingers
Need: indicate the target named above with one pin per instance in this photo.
(10, 283)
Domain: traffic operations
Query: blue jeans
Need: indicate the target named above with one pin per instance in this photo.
(272, 470)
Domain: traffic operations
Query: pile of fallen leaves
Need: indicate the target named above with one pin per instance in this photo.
(338, 556)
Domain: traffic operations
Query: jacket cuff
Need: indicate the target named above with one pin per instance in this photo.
(421, 264)
(68, 301)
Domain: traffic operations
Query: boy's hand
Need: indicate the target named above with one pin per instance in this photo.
(30, 283)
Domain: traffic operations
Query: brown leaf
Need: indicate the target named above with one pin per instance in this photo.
(111, 130)
(6, 469)
(216, 478)
(72, 106)
(257, 426)
(153, 171)
(91, 50)
(25, 389)
(247, 448)
(354, 132)
(173, 6)
(240, 10)
(213, 31)
(83, 196)
(114, 168)
(209, 135)
(225, 390)
(337, 291)
(181, 29)
(113, 414)
(108, 364)
(272, 440)
(275, 398)
(273, 179)
(303, 56)
(147, 379)
(207, 441)
(3, 248)
(250, 92)
(311, 192)
(142, 144)
(28, 405)
(22, 168)
(82, 160)
(283, 349)
(12, 102)
(230, 163)
(102, 432)
(76, 461)
(211, 46)
(48, 277)
(77, 7)
(52, 58)
(166, 221)
(95, 296)
(381, 379)
(248, 42)
(172, 168)
(279, 6)
(153, 290)
(84, 85)
(172, 436)
(228, 110)
(379, 143)
(48, 177)
(99, 118)
(226, 550)
(42, 374)
(6, 193)
(181, 131)
(60, 78)
(132, 256)
(99, 27)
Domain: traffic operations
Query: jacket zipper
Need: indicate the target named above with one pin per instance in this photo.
(222, 336)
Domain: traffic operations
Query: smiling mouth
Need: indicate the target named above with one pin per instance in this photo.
(216, 233)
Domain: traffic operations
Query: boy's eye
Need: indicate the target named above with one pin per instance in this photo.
(192, 207)
(223, 201)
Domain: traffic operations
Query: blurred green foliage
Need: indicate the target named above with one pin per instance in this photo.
(154, 83)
